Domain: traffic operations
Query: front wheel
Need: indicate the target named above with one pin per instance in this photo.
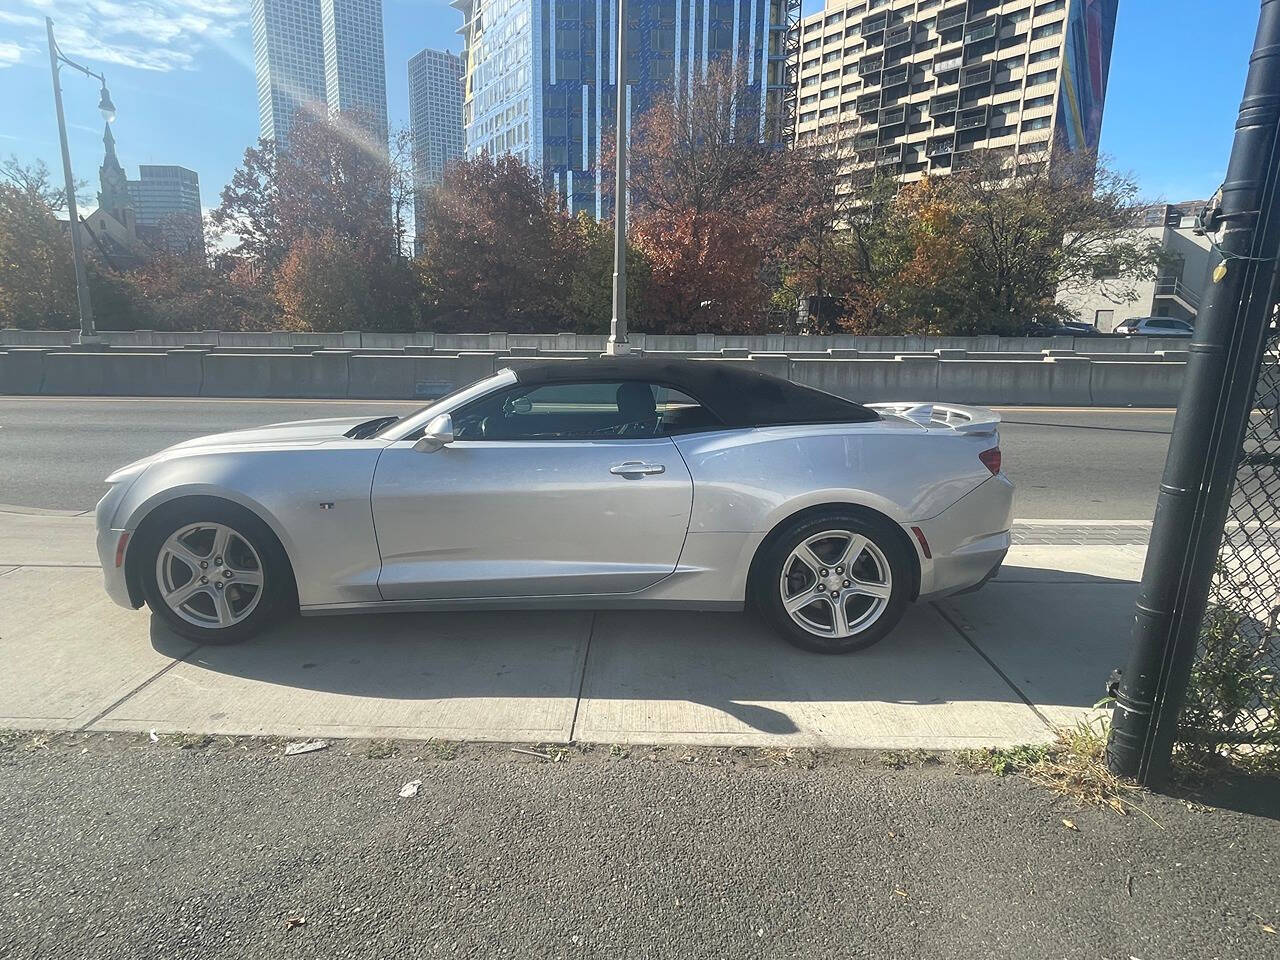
(834, 583)
(213, 571)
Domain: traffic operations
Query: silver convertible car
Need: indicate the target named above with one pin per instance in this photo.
(626, 482)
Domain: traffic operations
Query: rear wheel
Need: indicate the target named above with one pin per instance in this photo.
(834, 583)
(213, 571)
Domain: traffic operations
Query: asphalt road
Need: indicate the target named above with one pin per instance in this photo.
(1068, 464)
(117, 847)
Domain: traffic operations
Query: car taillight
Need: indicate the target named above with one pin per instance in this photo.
(991, 458)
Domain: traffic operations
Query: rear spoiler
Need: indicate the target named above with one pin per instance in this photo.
(973, 420)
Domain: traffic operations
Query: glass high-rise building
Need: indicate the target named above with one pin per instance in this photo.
(539, 75)
(319, 55)
(435, 112)
(921, 87)
(167, 197)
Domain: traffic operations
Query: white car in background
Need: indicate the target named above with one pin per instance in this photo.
(1155, 327)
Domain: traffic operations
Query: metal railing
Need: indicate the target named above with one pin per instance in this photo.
(972, 118)
(897, 75)
(1174, 287)
(982, 31)
(898, 35)
(976, 75)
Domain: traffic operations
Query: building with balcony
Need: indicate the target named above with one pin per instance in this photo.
(539, 81)
(1186, 265)
(932, 81)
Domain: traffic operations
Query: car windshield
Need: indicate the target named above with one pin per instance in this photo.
(410, 425)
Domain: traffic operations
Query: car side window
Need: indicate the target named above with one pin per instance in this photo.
(605, 410)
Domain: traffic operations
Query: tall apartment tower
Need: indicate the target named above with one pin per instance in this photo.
(319, 55)
(167, 198)
(435, 113)
(916, 86)
(539, 80)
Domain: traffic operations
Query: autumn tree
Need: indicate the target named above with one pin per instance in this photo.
(590, 297)
(324, 284)
(186, 288)
(37, 280)
(497, 249)
(703, 192)
(1032, 228)
(814, 204)
(332, 179)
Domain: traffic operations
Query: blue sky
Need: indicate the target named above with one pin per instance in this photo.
(181, 75)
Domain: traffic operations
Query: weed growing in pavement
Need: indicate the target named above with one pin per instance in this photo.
(901, 759)
(381, 749)
(1074, 766)
(1003, 761)
(441, 749)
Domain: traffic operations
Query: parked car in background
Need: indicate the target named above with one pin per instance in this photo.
(1155, 327)
(1062, 328)
(579, 484)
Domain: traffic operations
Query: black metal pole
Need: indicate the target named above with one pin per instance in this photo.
(1213, 411)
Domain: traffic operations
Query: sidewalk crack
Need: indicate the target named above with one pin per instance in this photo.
(138, 689)
(582, 679)
(992, 664)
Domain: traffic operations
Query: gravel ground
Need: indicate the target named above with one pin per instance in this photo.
(120, 847)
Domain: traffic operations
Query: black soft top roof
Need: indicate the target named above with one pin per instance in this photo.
(738, 395)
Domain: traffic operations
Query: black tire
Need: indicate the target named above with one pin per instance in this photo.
(276, 597)
(766, 587)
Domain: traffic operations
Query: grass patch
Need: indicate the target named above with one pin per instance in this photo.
(1073, 766)
(1003, 761)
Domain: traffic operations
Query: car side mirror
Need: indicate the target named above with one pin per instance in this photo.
(439, 432)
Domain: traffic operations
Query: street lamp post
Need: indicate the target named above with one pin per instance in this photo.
(88, 333)
(618, 345)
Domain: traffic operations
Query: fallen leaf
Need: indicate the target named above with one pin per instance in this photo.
(1070, 824)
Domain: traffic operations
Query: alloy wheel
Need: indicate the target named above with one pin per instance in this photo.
(836, 584)
(209, 575)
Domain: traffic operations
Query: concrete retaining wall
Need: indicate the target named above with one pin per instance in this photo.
(592, 343)
(952, 375)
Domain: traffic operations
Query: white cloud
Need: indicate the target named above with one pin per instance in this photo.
(12, 53)
(158, 35)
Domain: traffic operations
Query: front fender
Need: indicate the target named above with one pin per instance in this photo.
(314, 498)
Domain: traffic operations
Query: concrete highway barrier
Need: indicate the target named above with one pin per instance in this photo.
(421, 371)
(699, 343)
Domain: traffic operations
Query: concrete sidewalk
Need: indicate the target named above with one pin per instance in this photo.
(997, 667)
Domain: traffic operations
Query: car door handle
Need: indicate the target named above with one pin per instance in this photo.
(634, 468)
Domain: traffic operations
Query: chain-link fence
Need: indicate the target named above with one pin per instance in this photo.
(1233, 700)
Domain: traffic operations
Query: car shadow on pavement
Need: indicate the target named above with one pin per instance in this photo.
(665, 675)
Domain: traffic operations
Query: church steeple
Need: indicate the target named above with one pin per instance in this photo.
(113, 195)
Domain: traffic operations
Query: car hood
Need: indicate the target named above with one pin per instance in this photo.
(290, 431)
(294, 432)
